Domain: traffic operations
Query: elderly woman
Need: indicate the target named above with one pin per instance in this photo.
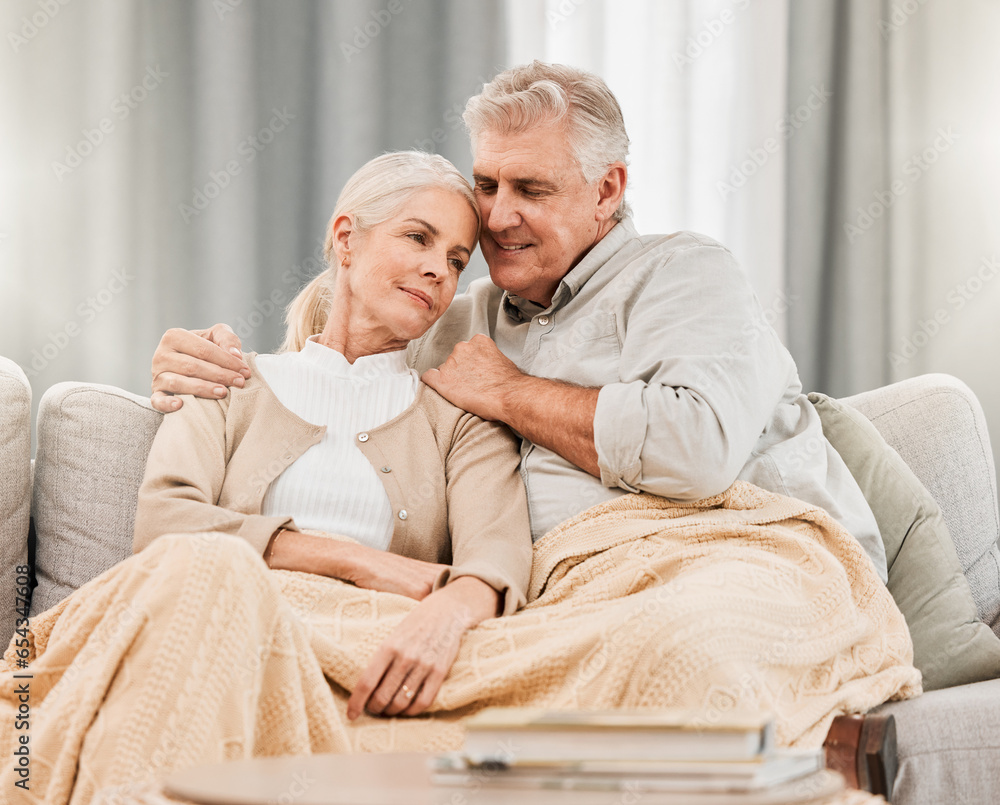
(335, 434)
(333, 460)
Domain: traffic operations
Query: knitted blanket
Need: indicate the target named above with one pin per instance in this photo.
(193, 652)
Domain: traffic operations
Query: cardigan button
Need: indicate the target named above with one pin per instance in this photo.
(402, 514)
(362, 437)
(386, 469)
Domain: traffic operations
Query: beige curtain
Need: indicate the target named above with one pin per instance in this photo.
(175, 163)
(844, 150)
(893, 210)
(702, 88)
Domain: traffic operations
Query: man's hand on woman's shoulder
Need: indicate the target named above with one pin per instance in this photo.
(198, 362)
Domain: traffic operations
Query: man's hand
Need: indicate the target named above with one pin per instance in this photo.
(559, 416)
(198, 362)
(475, 377)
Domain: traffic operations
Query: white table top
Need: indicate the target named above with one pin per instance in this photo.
(404, 779)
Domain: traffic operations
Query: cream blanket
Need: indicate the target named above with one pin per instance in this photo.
(193, 652)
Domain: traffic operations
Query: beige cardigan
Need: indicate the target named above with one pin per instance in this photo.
(451, 477)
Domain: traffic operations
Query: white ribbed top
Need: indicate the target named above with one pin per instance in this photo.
(332, 487)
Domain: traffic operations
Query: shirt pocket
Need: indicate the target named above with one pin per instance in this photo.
(586, 351)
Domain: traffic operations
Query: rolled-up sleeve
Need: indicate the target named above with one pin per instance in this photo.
(701, 371)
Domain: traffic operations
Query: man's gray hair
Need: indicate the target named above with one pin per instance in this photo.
(535, 93)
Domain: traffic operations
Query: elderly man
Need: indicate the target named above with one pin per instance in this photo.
(625, 362)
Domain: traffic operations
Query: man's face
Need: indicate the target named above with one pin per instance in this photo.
(539, 215)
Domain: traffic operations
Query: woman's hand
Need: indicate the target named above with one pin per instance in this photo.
(408, 669)
(360, 565)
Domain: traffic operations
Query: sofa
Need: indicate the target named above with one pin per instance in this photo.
(92, 441)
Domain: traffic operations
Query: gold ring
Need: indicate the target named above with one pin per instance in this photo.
(407, 692)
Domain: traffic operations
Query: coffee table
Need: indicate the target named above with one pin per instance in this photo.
(404, 779)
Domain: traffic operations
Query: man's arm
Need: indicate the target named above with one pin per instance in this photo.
(698, 378)
(700, 375)
(556, 415)
(198, 362)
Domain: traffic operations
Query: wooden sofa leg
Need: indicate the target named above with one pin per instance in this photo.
(863, 749)
(842, 744)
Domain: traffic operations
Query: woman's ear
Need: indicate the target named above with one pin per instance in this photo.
(341, 229)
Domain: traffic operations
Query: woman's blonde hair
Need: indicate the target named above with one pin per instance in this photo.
(373, 195)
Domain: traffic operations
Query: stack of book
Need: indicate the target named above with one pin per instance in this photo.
(647, 750)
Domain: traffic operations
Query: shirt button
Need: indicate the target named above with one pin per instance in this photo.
(402, 514)
(386, 469)
(362, 437)
(543, 320)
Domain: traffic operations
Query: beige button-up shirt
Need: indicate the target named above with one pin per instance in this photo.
(697, 389)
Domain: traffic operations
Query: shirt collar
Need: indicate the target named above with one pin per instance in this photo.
(367, 367)
(521, 309)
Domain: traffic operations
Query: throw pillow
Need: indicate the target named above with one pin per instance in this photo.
(93, 441)
(951, 645)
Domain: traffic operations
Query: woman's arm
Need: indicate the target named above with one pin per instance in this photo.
(363, 566)
(408, 669)
(488, 510)
(184, 476)
(491, 548)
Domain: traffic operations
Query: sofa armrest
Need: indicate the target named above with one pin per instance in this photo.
(15, 486)
(938, 427)
(948, 742)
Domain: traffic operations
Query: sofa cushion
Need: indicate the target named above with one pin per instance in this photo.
(93, 442)
(938, 427)
(949, 742)
(15, 487)
(951, 645)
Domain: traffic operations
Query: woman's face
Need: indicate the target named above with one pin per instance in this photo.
(404, 271)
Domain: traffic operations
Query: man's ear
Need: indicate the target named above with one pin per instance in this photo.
(341, 229)
(611, 190)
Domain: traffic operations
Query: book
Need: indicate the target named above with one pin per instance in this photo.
(516, 736)
(782, 766)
